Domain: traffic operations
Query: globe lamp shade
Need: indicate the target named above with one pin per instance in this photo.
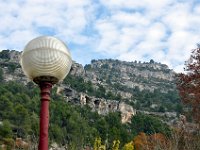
(46, 59)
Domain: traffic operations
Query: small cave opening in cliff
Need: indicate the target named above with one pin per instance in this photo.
(87, 98)
(109, 106)
(68, 92)
(97, 102)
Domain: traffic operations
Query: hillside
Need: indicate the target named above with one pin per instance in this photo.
(94, 95)
(147, 86)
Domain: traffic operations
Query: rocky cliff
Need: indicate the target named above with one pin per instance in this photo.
(121, 82)
(145, 76)
(9, 62)
(120, 76)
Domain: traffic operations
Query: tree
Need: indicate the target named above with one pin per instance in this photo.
(149, 125)
(189, 84)
(101, 91)
(152, 61)
(12, 67)
(179, 109)
(151, 142)
(4, 54)
(98, 145)
(115, 145)
(1, 74)
(6, 107)
(21, 119)
(128, 146)
(6, 130)
(110, 95)
(161, 109)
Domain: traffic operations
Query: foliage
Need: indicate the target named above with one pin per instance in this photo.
(151, 61)
(189, 84)
(144, 99)
(105, 66)
(115, 145)
(1, 75)
(179, 109)
(98, 145)
(4, 54)
(149, 125)
(9, 142)
(151, 142)
(117, 130)
(140, 141)
(87, 67)
(128, 146)
(75, 126)
(5, 129)
(12, 67)
(101, 92)
(166, 102)
(76, 83)
(80, 85)
(161, 109)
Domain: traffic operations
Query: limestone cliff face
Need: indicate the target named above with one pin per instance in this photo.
(9, 62)
(126, 72)
(145, 76)
(113, 74)
(101, 105)
(77, 69)
(10, 56)
(14, 56)
(118, 77)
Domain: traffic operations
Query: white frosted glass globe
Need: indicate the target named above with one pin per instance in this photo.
(46, 56)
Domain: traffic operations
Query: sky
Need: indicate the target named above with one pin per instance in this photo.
(163, 30)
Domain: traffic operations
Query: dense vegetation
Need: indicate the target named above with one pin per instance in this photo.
(78, 127)
(141, 100)
(73, 125)
(80, 85)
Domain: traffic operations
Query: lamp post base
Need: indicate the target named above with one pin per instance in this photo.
(45, 88)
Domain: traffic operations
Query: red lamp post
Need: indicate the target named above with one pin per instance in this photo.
(45, 88)
(46, 61)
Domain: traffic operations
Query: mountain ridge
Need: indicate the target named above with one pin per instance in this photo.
(147, 85)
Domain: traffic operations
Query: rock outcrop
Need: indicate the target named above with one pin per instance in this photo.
(9, 62)
(120, 78)
(77, 69)
(102, 106)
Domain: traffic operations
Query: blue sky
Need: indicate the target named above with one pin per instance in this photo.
(163, 30)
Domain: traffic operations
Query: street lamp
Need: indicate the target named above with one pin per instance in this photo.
(46, 61)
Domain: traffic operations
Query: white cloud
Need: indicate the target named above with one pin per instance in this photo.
(178, 17)
(66, 18)
(129, 19)
(165, 31)
(156, 32)
(130, 30)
